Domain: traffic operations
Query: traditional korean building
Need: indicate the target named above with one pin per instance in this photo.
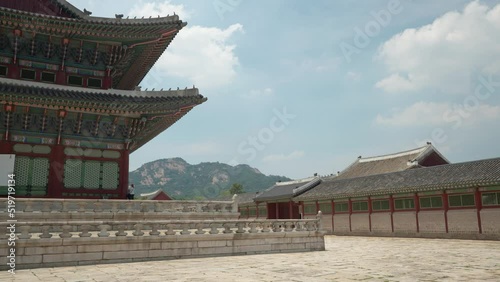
(158, 195)
(71, 109)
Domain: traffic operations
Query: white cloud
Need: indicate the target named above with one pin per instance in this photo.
(202, 55)
(443, 54)
(153, 9)
(282, 157)
(259, 93)
(353, 76)
(429, 113)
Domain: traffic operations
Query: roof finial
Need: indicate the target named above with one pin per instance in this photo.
(429, 143)
(87, 12)
(359, 157)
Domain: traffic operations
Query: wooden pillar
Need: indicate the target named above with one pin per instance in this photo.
(349, 206)
(417, 210)
(479, 206)
(445, 206)
(5, 147)
(56, 172)
(277, 210)
(333, 215)
(290, 211)
(123, 185)
(370, 213)
(257, 210)
(391, 207)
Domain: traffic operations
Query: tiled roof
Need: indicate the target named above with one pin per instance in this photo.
(152, 195)
(450, 176)
(12, 90)
(287, 190)
(390, 163)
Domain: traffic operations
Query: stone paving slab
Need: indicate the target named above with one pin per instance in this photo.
(345, 259)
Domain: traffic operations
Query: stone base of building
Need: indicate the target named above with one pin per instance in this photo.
(88, 251)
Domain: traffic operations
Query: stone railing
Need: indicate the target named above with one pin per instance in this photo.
(65, 243)
(34, 205)
(85, 229)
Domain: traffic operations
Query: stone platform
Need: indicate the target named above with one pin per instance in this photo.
(345, 259)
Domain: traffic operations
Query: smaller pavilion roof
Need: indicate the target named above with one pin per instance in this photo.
(152, 195)
(288, 190)
(420, 157)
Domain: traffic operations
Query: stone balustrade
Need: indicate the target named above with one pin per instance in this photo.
(65, 243)
(34, 205)
(85, 229)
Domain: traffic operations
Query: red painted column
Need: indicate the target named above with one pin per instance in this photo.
(370, 213)
(445, 206)
(333, 215)
(349, 206)
(277, 210)
(290, 211)
(479, 206)
(417, 210)
(123, 185)
(56, 172)
(5, 147)
(391, 206)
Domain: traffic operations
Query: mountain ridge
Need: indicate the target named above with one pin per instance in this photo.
(206, 180)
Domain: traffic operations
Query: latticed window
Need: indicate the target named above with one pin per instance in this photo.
(380, 205)
(404, 204)
(431, 202)
(262, 212)
(342, 207)
(360, 206)
(252, 212)
(91, 174)
(31, 175)
(325, 208)
(491, 199)
(310, 209)
(466, 200)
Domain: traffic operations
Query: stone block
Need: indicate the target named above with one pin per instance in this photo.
(72, 257)
(205, 244)
(178, 245)
(125, 254)
(170, 253)
(50, 250)
(28, 259)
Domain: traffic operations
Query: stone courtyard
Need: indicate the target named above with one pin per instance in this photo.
(345, 259)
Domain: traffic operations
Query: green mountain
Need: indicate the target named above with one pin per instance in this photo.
(182, 180)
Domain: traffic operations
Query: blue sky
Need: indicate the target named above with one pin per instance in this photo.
(301, 87)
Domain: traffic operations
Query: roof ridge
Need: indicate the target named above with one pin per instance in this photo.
(394, 155)
(297, 181)
(406, 171)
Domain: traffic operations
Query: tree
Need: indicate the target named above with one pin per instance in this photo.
(236, 188)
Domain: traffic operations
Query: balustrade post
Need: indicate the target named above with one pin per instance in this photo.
(241, 226)
(288, 226)
(138, 230)
(170, 230)
(29, 206)
(121, 231)
(154, 230)
(129, 206)
(276, 226)
(319, 224)
(214, 229)
(85, 231)
(235, 203)
(266, 227)
(299, 226)
(104, 230)
(97, 207)
(185, 229)
(66, 229)
(82, 206)
(227, 228)
(253, 227)
(45, 232)
(25, 232)
(46, 206)
(199, 227)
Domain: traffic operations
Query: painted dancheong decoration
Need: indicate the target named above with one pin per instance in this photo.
(71, 108)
